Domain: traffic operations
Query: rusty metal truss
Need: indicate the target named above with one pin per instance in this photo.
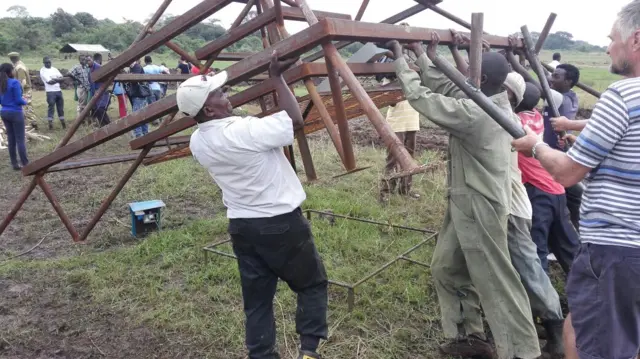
(330, 111)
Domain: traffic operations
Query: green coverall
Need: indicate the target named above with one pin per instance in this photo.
(471, 264)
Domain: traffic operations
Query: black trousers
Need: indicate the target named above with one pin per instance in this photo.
(551, 228)
(55, 101)
(279, 247)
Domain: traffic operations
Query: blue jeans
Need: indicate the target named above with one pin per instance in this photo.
(14, 124)
(55, 101)
(138, 103)
(156, 95)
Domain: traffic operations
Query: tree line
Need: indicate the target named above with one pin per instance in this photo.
(46, 35)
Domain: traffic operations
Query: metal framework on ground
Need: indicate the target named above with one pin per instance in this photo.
(330, 110)
(350, 287)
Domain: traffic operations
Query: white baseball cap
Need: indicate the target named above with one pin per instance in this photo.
(515, 82)
(193, 93)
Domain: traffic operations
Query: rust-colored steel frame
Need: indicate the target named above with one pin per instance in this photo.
(430, 235)
(321, 32)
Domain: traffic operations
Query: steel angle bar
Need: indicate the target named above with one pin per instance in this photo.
(404, 256)
(94, 162)
(160, 37)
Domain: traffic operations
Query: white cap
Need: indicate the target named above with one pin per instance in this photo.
(193, 93)
(515, 83)
(557, 98)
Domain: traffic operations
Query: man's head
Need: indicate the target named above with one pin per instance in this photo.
(202, 98)
(564, 77)
(147, 60)
(97, 57)
(556, 56)
(14, 57)
(515, 86)
(46, 62)
(494, 71)
(89, 61)
(624, 48)
(530, 98)
(82, 60)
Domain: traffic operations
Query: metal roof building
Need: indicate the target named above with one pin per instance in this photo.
(83, 48)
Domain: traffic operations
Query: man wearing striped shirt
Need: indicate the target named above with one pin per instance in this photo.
(603, 286)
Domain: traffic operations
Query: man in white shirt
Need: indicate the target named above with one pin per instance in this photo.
(556, 60)
(51, 78)
(262, 193)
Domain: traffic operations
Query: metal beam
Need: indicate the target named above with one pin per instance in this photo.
(160, 37)
(156, 110)
(392, 20)
(545, 32)
(475, 54)
(100, 161)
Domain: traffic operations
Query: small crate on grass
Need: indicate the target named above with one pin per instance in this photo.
(145, 217)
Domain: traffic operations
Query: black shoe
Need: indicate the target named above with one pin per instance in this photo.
(305, 354)
(16, 167)
(554, 346)
(64, 125)
(469, 347)
(50, 125)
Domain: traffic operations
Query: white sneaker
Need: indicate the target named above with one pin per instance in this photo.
(552, 257)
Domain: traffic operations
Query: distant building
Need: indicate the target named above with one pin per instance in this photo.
(83, 49)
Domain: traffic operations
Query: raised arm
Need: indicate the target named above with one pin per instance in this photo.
(461, 63)
(286, 98)
(453, 115)
(431, 77)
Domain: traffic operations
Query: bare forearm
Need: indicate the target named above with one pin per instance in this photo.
(577, 125)
(461, 63)
(288, 102)
(559, 165)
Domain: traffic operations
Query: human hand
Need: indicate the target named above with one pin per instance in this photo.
(525, 144)
(433, 45)
(560, 124)
(566, 139)
(486, 47)
(277, 67)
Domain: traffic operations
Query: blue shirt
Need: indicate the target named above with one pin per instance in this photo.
(568, 108)
(610, 145)
(103, 102)
(153, 70)
(11, 99)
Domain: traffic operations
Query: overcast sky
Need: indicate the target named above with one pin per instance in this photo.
(591, 23)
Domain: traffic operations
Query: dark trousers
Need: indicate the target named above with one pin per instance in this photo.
(14, 124)
(55, 99)
(279, 247)
(603, 295)
(552, 228)
(574, 199)
(409, 140)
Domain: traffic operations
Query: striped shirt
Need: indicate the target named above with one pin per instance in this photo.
(610, 145)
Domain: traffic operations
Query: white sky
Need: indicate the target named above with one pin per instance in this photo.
(591, 23)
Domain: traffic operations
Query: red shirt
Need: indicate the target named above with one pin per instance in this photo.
(532, 170)
(195, 70)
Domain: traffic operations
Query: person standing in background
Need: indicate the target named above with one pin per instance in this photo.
(22, 75)
(51, 78)
(12, 117)
(151, 69)
(80, 75)
(556, 60)
(163, 84)
(118, 90)
(138, 92)
(100, 110)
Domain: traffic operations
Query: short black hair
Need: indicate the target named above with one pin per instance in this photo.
(530, 98)
(496, 68)
(147, 59)
(556, 56)
(572, 73)
(46, 58)
(97, 57)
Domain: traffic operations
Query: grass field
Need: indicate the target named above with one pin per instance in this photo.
(119, 297)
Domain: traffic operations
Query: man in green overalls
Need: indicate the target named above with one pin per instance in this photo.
(471, 264)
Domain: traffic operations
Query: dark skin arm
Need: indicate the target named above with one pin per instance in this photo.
(286, 98)
(517, 66)
(458, 40)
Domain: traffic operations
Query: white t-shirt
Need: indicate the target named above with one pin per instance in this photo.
(48, 74)
(554, 63)
(245, 158)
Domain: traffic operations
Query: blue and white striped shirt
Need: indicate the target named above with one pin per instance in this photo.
(610, 144)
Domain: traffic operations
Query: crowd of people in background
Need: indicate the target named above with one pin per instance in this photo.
(130, 96)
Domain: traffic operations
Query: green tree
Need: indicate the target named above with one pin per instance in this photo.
(18, 11)
(63, 22)
(86, 19)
